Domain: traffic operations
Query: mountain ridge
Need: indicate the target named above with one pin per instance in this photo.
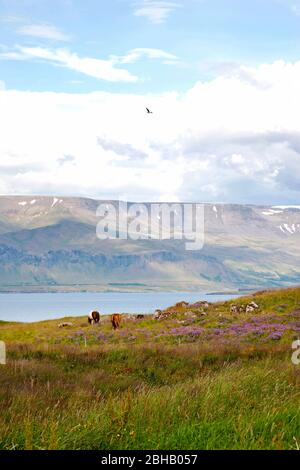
(51, 241)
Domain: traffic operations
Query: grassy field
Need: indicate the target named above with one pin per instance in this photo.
(196, 380)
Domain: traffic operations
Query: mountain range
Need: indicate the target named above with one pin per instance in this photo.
(50, 243)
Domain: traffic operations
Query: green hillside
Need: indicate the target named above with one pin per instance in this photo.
(201, 378)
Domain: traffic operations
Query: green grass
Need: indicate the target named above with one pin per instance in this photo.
(140, 389)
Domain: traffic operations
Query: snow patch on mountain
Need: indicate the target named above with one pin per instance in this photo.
(289, 229)
(287, 207)
(272, 212)
(55, 201)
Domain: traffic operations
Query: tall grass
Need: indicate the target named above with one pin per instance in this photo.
(244, 404)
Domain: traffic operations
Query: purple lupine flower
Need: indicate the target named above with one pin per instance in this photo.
(275, 336)
(101, 336)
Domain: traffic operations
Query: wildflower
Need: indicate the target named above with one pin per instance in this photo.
(275, 336)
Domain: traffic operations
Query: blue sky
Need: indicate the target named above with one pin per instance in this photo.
(222, 77)
(200, 33)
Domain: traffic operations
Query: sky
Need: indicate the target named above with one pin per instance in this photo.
(222, 78)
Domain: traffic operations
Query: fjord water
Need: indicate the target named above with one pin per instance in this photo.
(38, 307)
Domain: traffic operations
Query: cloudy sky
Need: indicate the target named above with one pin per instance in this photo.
(222, 78)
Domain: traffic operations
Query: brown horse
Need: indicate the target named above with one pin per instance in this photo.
(116, 320)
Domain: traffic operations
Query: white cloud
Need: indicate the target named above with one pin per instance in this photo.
(43, 31)
(109, 69)
(293, 5)
(296, 9)
(12, 55)
(156, 11)
(233, 138)
(138, 53)
(12, 19)
(97, 68)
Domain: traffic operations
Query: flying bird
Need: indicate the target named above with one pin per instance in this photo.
(148, 111)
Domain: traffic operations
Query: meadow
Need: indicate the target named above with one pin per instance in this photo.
(202, 378)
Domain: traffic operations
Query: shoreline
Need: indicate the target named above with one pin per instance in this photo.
(130, 290)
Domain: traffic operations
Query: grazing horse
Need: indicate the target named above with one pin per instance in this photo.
(63, 325)
(116, 320)
(94, 317)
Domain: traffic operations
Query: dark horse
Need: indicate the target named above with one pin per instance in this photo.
(94, 317)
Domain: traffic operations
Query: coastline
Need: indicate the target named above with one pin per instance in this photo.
(131, 288)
